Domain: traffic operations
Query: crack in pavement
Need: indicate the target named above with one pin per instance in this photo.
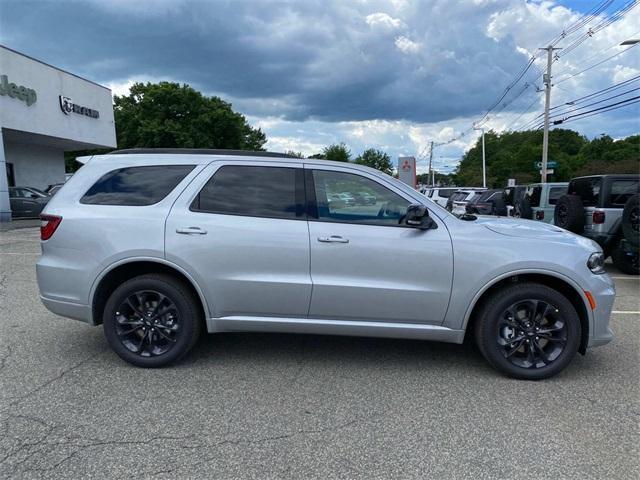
(52, 439)
(52, 380)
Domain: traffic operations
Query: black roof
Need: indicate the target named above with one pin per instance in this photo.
(200, 151)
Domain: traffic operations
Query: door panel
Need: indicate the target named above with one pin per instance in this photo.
(378, 272)
(246, 265)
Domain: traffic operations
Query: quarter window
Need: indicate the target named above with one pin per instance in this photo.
(588, 189)
(349, 198)
(621, 191)
(555, 193)
(274, 192)
(136, 186)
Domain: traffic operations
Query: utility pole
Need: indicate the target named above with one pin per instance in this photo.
(484, 160)
(430, 170)
(547, 101)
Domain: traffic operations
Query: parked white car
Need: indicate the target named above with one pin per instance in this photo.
(440, 195)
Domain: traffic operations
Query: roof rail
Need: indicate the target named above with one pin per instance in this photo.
(200, 151)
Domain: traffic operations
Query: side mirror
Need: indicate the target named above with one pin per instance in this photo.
(418, 217)
(33, 195)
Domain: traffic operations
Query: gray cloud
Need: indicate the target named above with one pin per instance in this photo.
(321, 60)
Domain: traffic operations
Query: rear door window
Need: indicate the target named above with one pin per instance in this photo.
(136, 186)
(621, 191)
(254, 191)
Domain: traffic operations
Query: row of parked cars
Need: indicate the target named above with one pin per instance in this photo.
(604, 208)
(28, 202)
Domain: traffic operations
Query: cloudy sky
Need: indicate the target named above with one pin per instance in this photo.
(390, 74)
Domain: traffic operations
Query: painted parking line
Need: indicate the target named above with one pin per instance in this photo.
(625, 278)
(19, 253)
(628, 312)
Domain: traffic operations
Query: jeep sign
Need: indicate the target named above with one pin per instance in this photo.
(19, 92)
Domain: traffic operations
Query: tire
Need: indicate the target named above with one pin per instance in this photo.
(499, 207)
(631, 221)
(626, 261)
(162, 340)
(523, 207)
(495, 338)
(569, 213)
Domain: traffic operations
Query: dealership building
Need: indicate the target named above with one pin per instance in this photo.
(45, 111)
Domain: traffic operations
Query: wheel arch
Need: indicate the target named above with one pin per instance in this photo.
(554, 280)
(123, 270)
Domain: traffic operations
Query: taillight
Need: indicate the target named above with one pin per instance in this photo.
(48, 225)
(598, 217)
(540, 215)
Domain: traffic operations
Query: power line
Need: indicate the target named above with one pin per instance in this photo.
(584, 115)
(596, 64)
(602, 109)
(597, 102)
(599, 92)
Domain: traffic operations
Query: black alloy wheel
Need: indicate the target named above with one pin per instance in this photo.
(147, 323)
(152, 320)
(531, 333)
(528, 330)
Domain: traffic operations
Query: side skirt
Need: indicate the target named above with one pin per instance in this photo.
(334, 327)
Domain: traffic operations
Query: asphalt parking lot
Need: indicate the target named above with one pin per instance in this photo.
(293, 406)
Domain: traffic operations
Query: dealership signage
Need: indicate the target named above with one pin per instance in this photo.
(407, 170)
(68, 107)
(19, 92)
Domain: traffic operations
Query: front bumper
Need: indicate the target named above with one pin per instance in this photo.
(603, 290)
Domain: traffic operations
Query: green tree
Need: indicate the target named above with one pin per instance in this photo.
(170, 115)
(377, 159)
(338, 152)
(294, 154)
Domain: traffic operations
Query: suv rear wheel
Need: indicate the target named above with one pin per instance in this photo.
(528, 331)
(631, 220)
(152, 320)
(626, 260)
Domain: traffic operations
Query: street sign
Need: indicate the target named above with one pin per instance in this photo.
(407, 170)
(550, 164)
(511, 182)
(549, 171)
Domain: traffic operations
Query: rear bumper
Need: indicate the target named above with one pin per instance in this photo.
(67, 309)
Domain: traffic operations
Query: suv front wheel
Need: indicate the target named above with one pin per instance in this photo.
(152, 320)
(528, 331)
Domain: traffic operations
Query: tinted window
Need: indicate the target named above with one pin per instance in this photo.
(588, 189)
(555, 193)
(336, 202)
(253, 192)
(533, 194)
(446, 192)
(621, 191)
(136, 186)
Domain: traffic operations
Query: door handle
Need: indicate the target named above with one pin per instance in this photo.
(333, 239)
(191, 231)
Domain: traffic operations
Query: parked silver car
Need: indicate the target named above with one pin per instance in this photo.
(155, 245)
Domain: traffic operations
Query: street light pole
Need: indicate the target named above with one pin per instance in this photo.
(430, 170)
(547, 100)
(484, 160)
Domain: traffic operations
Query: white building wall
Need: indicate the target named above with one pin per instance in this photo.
(44, 116)
(35, 165)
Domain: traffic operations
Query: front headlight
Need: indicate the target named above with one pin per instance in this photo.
(596, 262)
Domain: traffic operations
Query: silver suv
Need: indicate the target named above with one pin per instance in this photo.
(158, 245)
